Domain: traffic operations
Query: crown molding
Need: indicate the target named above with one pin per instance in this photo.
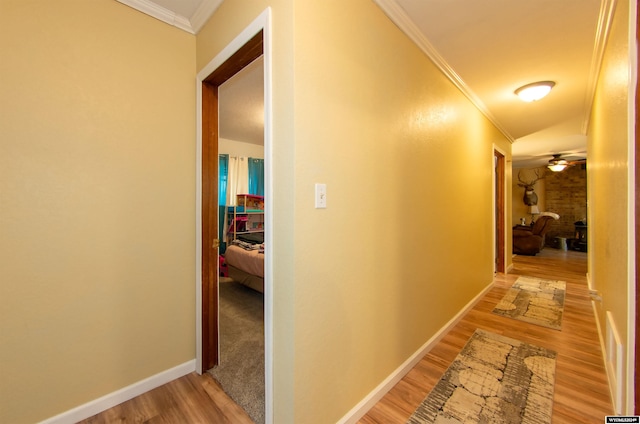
(406, 25)
(192, 26)
(165, 15)
(605, 20)
(200, 17)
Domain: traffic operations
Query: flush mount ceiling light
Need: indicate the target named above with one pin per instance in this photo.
(534, 91)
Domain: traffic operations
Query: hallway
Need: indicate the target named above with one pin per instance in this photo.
(581, 390)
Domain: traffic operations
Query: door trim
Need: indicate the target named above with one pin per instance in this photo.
(209, 225)
(261, 23)
(499, 204)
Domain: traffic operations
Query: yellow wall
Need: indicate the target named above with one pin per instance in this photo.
(240, 148)
(609, 177)
(97, 156)
(97, 168)
(406, 240)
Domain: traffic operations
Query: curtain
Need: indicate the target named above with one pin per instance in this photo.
(256, 176)
(238, 178)
(237, 175)
(223, 173)
(223, 176)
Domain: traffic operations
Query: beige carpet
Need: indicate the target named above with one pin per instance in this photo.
(534, 300)
(241, 369)
(494, 379)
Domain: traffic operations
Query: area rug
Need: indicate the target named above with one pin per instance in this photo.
(534, 300)
(495, 379)
(241, 369)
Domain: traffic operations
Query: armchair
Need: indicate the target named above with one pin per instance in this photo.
(530, 242)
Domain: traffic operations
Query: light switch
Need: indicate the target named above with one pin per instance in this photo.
(321, 196)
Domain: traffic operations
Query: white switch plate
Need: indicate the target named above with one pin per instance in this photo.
(321, 196)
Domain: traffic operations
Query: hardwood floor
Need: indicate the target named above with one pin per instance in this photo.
(581, 390)
(190, 399)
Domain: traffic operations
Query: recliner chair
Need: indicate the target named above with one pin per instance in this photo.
(530, 242)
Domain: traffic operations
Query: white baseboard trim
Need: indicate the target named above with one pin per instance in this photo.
(110, 400)
(603, 349)
(358, 411)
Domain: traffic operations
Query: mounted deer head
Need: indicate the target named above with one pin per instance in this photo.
(530, 197)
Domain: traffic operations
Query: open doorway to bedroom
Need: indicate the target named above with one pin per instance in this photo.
(230, 309)
(240, 371)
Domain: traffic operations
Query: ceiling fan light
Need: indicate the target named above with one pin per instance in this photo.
(556, 164)
(534, 91)
(557, 168)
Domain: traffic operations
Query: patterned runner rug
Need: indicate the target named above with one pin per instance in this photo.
(495, 379)
(534, 300)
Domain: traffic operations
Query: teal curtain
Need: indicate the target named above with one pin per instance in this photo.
(223, 178)
(256, 176)
(256, 186)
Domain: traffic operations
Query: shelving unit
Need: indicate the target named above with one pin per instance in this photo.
(245, 218)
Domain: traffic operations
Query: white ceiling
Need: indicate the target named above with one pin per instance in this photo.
(488, 48)
(185, 8)
(241, 103)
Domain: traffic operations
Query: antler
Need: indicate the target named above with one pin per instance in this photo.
(529, 183)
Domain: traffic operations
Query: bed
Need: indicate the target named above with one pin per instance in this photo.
(246, 266)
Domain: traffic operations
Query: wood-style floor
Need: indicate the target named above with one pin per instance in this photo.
(581, 389)
(190, 399)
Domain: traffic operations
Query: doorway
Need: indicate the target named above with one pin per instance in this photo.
(210, 238)
(253, 42)
(240, 371)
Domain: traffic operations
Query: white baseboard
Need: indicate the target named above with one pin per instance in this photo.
(614, 362)
(378, 393)
(96, 406)
(602, 336)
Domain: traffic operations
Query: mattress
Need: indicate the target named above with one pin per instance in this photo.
(249, 261)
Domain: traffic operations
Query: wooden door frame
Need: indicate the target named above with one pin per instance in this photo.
(209, 225)
(253, 41)
(210, 210)
(499, 209)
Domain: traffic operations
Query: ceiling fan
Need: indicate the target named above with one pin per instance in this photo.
(558, 163)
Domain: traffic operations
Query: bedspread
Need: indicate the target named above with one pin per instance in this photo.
(249, 261)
